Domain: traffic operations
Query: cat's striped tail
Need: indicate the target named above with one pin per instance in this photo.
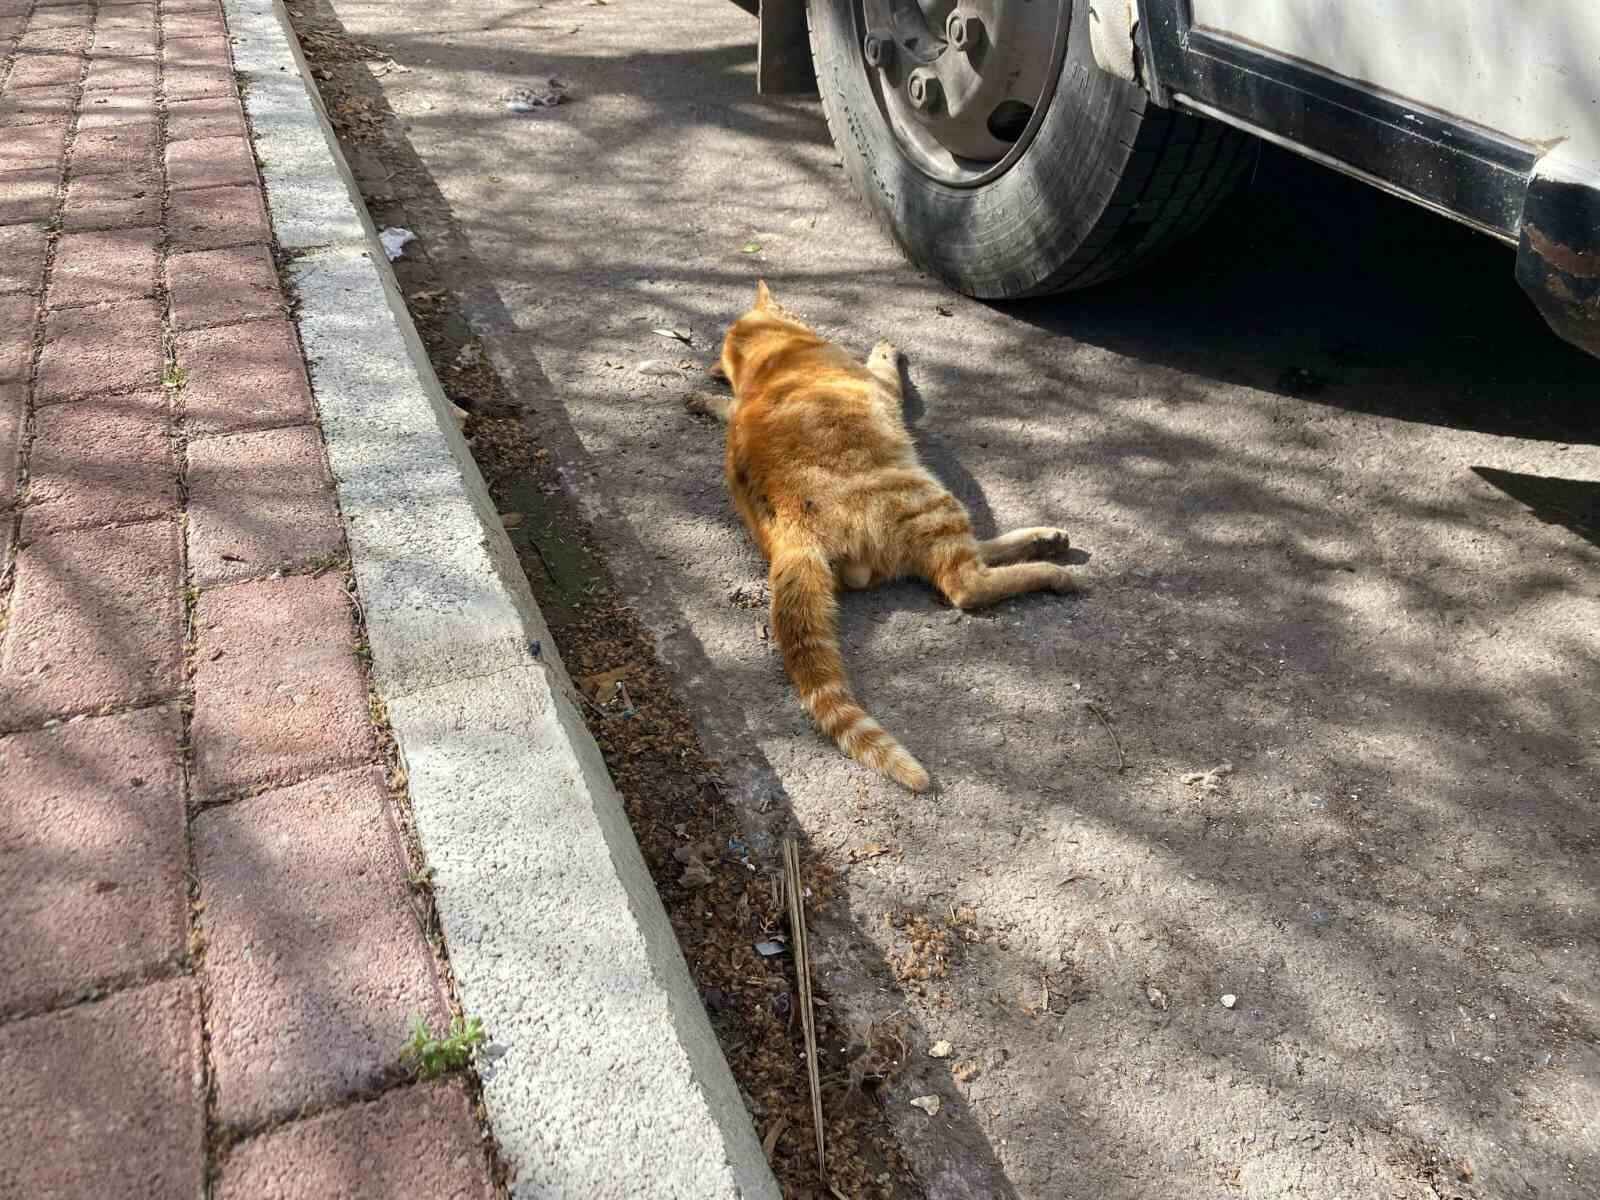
(805, 622)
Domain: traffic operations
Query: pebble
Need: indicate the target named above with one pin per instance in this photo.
(1229, 1000)
(928, 1104)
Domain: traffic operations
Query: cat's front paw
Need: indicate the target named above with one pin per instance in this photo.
(1064, 582)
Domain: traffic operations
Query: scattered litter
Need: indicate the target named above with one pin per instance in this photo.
(657, 366)
(1157, 998)
(1209, 783)
(395, 240)
(750, 248)
(682, 335)
(940, 1049)
(967, 1072)
(535, 96)
(768, 949)
(1229, 1000)
(695, 872)
(695, 875)
(511, 519)
(603, 686)
(928, 1104)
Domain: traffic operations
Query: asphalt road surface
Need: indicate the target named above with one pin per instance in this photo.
(1338, 492)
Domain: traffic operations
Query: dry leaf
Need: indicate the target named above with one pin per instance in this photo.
(940, 1049)
(928, 1104)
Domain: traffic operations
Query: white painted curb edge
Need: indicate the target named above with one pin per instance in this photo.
(610, 1082)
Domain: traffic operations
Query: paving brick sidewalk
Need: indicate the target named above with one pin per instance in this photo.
(210, 955)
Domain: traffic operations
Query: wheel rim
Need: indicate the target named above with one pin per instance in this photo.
(963, 84)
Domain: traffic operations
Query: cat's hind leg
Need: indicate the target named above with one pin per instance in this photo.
(886, 364)
(706, 404)
(969, 583)
(1025, 545)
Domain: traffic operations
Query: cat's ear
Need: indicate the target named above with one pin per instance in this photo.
(763, 296)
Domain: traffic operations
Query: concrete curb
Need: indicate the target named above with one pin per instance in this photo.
(611, 1083)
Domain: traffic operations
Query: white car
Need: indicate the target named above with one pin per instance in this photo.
(1020, 147)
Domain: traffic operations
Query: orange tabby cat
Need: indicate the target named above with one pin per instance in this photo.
(823, 472)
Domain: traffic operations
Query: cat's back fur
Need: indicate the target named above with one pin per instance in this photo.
(822, 470)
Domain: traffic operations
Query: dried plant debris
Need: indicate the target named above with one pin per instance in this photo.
(1209, 783)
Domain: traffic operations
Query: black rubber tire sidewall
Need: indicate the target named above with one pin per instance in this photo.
(1024, 233)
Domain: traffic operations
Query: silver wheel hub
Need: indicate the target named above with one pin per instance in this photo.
(962, 81)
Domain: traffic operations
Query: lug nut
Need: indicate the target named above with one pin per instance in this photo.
(963, 31)
(878, 50)
(923, 88)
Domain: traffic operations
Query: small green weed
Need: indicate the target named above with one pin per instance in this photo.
(431, 1057)
(174, 377)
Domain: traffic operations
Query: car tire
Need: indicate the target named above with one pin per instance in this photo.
(1108, 181)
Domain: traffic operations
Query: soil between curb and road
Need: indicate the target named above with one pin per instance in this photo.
(556, 936)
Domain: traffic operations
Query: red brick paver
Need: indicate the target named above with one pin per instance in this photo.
(116, 264)
(210, 51)
(105, 1099)
(209, 116)
(125, 40)
(278, 693)
(202, 20)
(104, 459)
(227, 216)
(40, 145)
(112, 71)
(101, 347)
(420, 1142)
(106, 110)
(209, 162)
(12, 411)
(243, 377)
(92, 870)
(28, 194)
(108, 149)
(194, 818)
(115, 201)
(314, 962)
(219, 287)
(16, 337)
(19, 109)
(259, 502)
(42, 68)
(96, 622)
(21, 258)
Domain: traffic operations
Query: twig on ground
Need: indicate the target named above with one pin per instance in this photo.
(802, 966)
(1122, 759)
